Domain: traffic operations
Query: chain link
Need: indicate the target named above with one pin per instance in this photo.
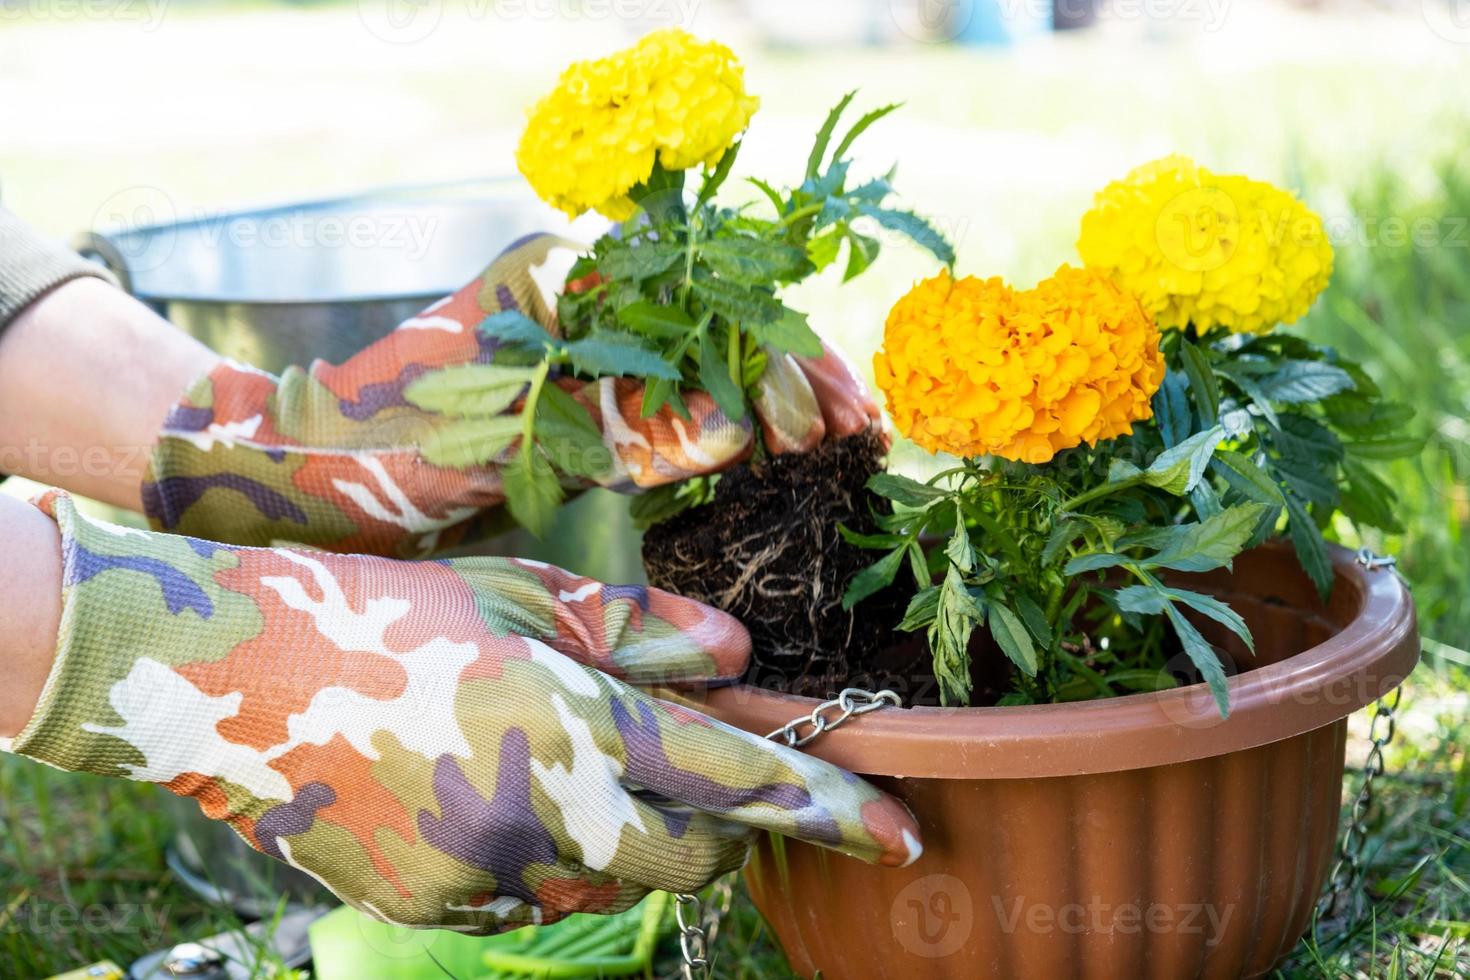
(1347, 873)
(698, 925)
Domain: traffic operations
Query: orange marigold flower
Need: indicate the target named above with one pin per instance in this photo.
(973, 367)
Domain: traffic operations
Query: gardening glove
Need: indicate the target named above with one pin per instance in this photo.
(441, 743)
(330, 455)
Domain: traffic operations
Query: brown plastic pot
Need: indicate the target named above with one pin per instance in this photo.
(1138, 837)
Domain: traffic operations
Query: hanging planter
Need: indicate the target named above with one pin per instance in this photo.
(1142, 836)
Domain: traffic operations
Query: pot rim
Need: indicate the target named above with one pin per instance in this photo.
(1366, 659)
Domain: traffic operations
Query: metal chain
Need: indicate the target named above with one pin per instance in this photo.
(1347, 874)
(698, 926)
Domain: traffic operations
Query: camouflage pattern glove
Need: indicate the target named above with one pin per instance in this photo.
(441, 743)
(329, 456)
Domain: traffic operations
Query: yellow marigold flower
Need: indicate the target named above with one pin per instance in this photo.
(1208, 249)
(972, 367)
(670, 97)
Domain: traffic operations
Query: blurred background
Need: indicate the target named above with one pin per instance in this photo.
(120, 115)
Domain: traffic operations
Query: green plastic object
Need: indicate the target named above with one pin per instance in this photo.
(348, 945)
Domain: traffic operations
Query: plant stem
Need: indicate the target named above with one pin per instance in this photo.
(801, 212)
(1097, 492)
(732, 357)
(528, 411)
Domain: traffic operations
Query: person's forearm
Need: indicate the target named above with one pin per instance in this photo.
(30, 608)
(87, 375)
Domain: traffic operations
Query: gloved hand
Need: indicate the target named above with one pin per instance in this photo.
(441, 743)
(329, 456)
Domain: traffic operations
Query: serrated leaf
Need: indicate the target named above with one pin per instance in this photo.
(1171, 409)
(1178, 469)
(904, 490)
(861, 126)
(515, 328)
(861, 252)
(791, 334)
(639, 260)
(1364, 418)
(770, 193)
(714, 377)
(1386, 448)
(532, 491)
(1296, 382)
(1061, 536)
(1092, 563)
(1303, 438)
(1203, 656)
(958, 549)
(716, 178)
(469, 390)
(824, 134)
(1150, 601)
(955, 620)
(1246, 477)
(567, 435)
(609, 354)
(823, 249)
(1210, 543)
(915, 228)
(1311, 547)
(1367, 500)
(1034, 618)
(1010, 634)
(1203, 389)
(738, 304)
(656, 320)
(921, 609)
(750, 261)
(471, 442)
(874, 578)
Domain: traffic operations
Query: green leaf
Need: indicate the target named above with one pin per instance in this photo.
(660, 392)
(1034, 618)
(1093, 563)
(656, 320)
(738, 304)
(1203, 656)
(958, 549)
(1061, 536)
(659, 504)
(824, 135)
(1367, 500)
(473, 390)
(1177, 470)
(1203, 388)
(771, 194)
(917, 229)
(860, 126)
(955, 619)
(1246, 477)
(790, 335)
(471, 442)
(722, 170)
(607, 354)
(1296, 382)
(1311, 547)
(861, 253)
(921, 610)
(714, 377)
(1150, 600)
(1390, 447)
(532, 491)
(822, 250)
(567, 435)
(639, 260)
(751, 261)
(874, 578)
(1365, 418)
(515, 328)
(1171, 409)
(904, 490)
(1011, 635)
(1207, 544)
(861, 540)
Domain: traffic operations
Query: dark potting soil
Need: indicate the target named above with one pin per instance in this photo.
(768, 551)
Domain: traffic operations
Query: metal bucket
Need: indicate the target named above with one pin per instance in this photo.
(285, 285)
